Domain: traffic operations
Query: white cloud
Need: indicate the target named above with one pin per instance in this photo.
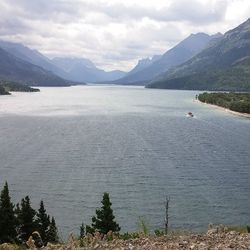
(114, 33)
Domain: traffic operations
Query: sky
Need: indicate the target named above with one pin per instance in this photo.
(114, 34)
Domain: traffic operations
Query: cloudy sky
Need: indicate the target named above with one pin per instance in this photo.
(114, 34)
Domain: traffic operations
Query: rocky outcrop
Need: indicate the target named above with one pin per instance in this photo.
(217, 238)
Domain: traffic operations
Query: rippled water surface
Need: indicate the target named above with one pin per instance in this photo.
(69, 145)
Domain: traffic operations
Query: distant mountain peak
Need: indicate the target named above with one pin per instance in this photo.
(143, 63)
(147, 69)
(204, 35)
(16, 69)
(245, 26)
(216, 35)
(70, 62)
(222, 65)
(83, 69)
(198, 34)
(247, 22)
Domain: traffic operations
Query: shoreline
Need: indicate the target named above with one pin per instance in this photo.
(224, 109)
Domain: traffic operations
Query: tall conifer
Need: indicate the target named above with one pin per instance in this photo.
(43, 222)
(7, 217)
(52, 232)
(26, 219)
(104, 220)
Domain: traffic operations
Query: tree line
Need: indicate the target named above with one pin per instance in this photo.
(239, 102)
(19, 222)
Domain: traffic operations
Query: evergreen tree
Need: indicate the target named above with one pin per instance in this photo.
(89, 230)
(43, 223)
(18, 222)
(82, 231)
(52, 235)
(7, 217)
(26, 218)
(104, 220)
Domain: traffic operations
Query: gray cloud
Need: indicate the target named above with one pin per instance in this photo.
(192, 10)
(11, 27)
(111, 33)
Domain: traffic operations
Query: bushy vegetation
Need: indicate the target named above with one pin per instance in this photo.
(8, 86)
(18, 223)
(239, 102)
(3, 91)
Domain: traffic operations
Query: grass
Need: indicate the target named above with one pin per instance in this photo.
(143, 226)
(240, 229)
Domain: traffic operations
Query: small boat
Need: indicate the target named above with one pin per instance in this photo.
(190, 114)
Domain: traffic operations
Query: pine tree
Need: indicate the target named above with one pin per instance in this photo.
(52, 235)
(89, 230)
(18, 222)
(7, 217)
(43, 223)
(26, 219)
(82, 231)
(104, 220)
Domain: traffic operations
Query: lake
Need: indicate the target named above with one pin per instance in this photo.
(69, 145)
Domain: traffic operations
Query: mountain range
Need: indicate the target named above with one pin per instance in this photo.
(201, 61)
(180, 53)
(32, 56)
(58, 71)
(15, 69)
(81, 69)
(67, 70)
(143, 64)
(223, 65)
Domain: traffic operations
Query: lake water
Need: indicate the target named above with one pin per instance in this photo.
(69, 145)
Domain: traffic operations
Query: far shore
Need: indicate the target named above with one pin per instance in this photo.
(224, 109)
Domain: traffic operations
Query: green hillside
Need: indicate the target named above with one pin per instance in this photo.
(224, 65)
(18, 70)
